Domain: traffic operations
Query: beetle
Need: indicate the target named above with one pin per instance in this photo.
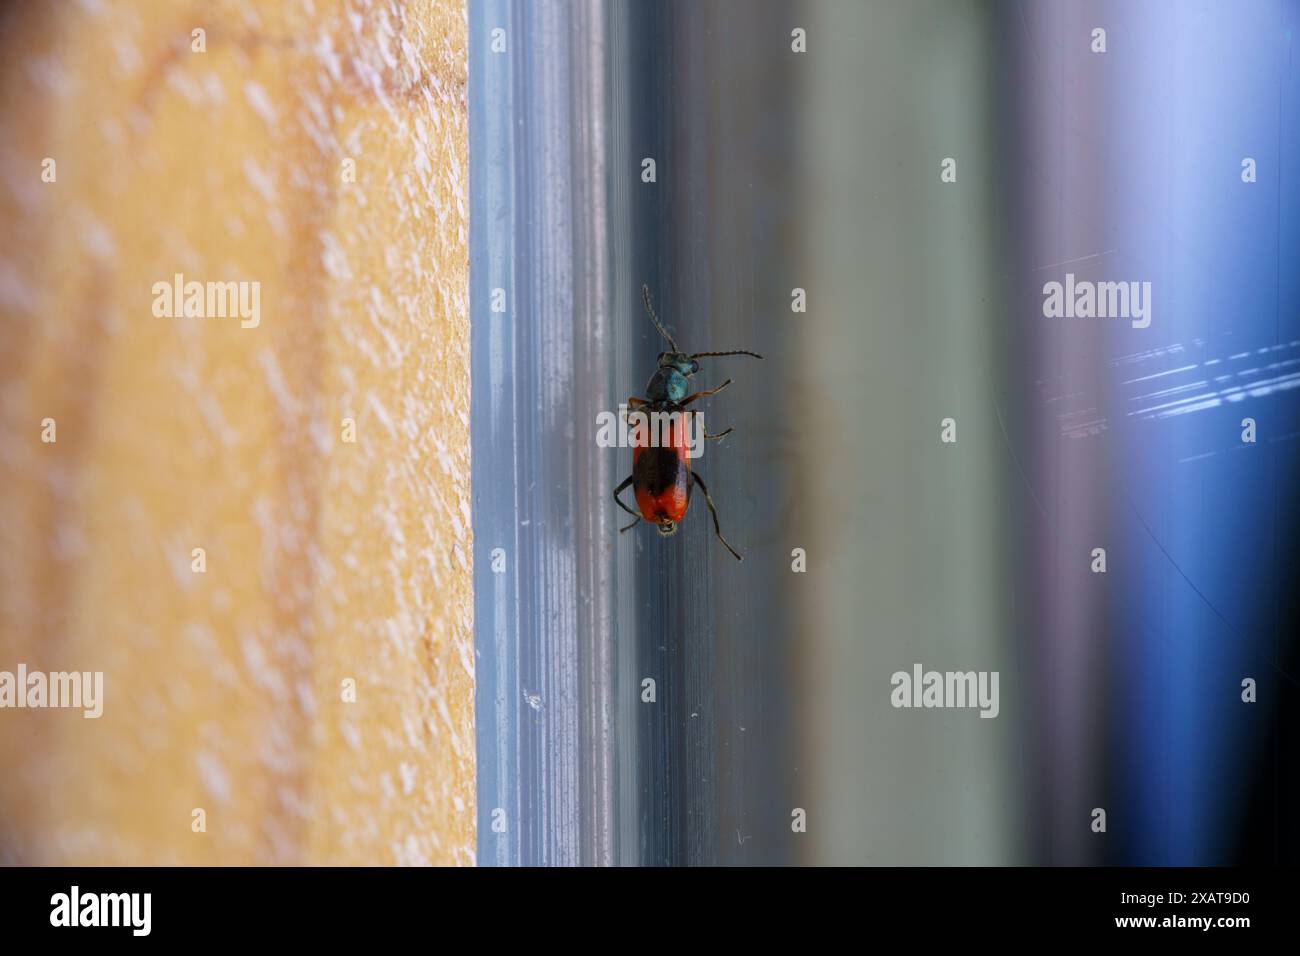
(662, 479)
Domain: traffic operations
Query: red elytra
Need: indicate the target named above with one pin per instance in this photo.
(661, 476)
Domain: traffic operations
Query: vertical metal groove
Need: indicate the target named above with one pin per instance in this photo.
(560, 219)
(538, 168)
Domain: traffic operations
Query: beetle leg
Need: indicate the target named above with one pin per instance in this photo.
(713, 391)
(634, 402)
(721, 434)
(717, 528)
(619, 500)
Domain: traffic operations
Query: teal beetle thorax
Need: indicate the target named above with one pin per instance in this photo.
(667, 385)
(669, 382)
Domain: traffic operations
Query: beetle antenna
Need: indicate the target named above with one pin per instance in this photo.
(650, 311)
(732, 352)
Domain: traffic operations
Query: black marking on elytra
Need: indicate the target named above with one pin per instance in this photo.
(658, 469)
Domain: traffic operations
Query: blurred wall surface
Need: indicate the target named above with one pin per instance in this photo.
(910, 538)
(306, 679)
(1110, 525)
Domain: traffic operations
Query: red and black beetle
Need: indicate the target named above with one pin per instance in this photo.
(662, 479)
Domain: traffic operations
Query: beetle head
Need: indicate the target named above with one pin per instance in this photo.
(679, 361)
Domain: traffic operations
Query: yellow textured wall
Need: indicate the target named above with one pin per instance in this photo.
(325, 560)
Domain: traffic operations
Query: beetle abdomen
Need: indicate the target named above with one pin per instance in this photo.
(661, 479)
